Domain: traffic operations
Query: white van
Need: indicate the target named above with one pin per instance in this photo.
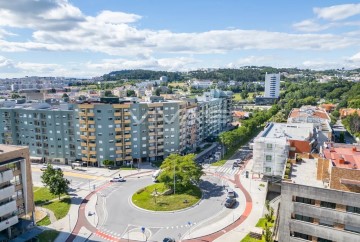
(155, 175)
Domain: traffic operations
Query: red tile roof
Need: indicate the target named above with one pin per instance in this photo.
(344, 157)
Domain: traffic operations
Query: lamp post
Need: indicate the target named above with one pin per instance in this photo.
(174, 177)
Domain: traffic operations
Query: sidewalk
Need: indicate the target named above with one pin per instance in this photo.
(258, 195)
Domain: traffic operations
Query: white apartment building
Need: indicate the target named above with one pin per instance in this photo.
(272, 85)
(201, 83)
(273, 145)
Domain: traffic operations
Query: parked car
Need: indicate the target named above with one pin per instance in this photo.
(230, 202)
(44, 167)
(57, 168)
(168, 239)
(231, 193)
(117, 179)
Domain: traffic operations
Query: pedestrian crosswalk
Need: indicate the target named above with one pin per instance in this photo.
(227, 170)
(86, 185)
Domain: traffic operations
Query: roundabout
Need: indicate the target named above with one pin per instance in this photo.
(119, 217)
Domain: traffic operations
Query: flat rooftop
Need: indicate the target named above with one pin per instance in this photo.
(304, 173)
(9, 148)
(343, 156)
(298, 131)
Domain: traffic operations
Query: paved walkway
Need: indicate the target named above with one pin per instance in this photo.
(49, 213)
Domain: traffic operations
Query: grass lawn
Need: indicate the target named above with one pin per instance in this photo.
(144, 199)
(60, 208)
(261, 223)
(128, 167)
(249, 239)
(44, 222)
(237, 96)
(42, 194)
(48, 235)
(174, 84)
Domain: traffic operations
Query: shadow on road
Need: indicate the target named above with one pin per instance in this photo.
(211, 189)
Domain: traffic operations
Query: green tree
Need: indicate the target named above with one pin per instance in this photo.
(130, 93)
(54, 180)
(268, 233)
(187, 172)
(65, 95)
(108, 162)
(244, 94)
(15, 95)
(158, 91)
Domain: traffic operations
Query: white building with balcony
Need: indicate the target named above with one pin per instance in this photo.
(272, 85)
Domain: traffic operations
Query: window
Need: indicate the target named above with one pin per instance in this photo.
(98, 111)
(269, 146)
(144, 145)
(304, 218)
(352, 228)
(305, 200)
(144, 152)
(268, 158)
(351, 209)
(110, 126)
(327, 205)
(100, 149)
(326, 223)
(267, 169)
(135, 146)
(323, 240)
(143, 138)
(135, 139)
(303, 236)
(99, 126)
(100, 141)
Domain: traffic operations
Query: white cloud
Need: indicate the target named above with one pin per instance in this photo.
(251, 60)
(117, 17)
(309, 25)
(337, 12)
(5, 63)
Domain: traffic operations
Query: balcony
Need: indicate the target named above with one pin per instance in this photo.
(160, 147)
(127, 128)
(117, 129)
(91, 122)
(83, 129)
(7, 192)
(128, 157)
(118, 144)
(83, 144)
(84, 152)
(82, 121)
(325, 232)
(8, 222)
(92, 160)
(127, 121)
(119, 152)
(6, 176)
(92, 144)
(160, 153)
(90, 114)
(117, 121)
(81, 113)
(117, 114)
(7, 208)
(127, 136)
(119, 136)
(92, 137)
(83, 137)
(127, 113)
(91, 129)
(127, 143)
(92, 152)
(152, 147)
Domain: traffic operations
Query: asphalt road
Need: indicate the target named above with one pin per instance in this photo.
(120, 216)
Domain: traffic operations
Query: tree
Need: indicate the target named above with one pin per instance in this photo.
(187, 172)
(244, 94)
(108, 93)
(268, 233)
(158, 91)
(108, 162)
(130, 93)
(65, 95)
(15, 95)
(54, 180)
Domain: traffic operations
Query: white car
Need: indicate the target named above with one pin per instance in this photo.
(44, 167)
(117, 179)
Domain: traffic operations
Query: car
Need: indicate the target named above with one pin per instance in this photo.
(117, 179)
(44, 167)
(57, 168)
(230, 202)
(231, 193)
(112, 167)
(168, 239)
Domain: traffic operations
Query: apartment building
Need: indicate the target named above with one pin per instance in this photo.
(16, 194)
(320, 201)
(124, 131)
(272, 85)
(273, 145)
(48, 131)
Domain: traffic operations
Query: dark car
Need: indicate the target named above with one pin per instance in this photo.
(230, 202)
(168, 240)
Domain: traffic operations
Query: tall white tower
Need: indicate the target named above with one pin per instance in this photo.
(272, 85)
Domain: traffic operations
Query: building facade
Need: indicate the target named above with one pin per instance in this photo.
(312, 210)
(122, 131)
(272, 85)
(16, 194)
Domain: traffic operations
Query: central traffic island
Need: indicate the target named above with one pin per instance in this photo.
(158, 197)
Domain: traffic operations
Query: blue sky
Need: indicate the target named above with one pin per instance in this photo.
(86, 38)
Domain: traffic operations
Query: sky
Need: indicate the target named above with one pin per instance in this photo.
(88, 38)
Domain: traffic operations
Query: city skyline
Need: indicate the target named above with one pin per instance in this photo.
(78, 39)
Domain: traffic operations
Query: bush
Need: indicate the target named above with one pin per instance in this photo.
(287, 171)
(286, 177)
(288, 165)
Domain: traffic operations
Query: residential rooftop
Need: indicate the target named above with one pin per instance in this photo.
(309, 111)
(304, 173)
(298, 131)
(343, 155)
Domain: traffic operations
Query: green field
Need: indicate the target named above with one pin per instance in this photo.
(48, 235)
(237, 96)
(144, 198)
(43, 198)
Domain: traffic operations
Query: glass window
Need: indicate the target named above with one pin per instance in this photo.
(327, 205)
(351, 209)
(305, 200)
(268, 158)
(268, 169)
(269, 146)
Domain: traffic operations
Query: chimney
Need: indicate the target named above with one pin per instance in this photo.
(341, 160)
